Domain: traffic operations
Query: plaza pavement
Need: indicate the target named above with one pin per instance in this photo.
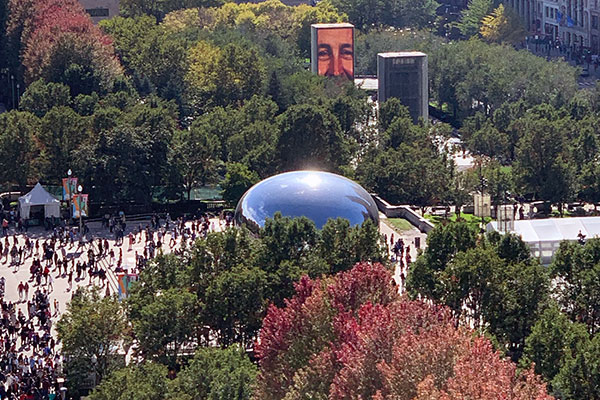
(60, 289)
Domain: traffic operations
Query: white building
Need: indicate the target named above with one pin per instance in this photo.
(543, 236)
(101, 9)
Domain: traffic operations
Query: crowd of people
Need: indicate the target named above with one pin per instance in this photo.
(30, 361)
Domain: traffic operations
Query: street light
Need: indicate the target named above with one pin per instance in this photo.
(12, 87)
(80, 190)
(68, 188)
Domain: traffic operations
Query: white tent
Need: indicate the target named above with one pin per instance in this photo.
(543, 236)
(39, 197)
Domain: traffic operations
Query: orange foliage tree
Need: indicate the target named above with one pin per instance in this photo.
(351, 336)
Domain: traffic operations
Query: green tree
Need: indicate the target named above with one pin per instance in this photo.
(251, 135)
(238, 179)
(520, 292)
(17, 146)
(234, 303)
(589, 181)
(415, 173)
(40, 97)
(130, 35)
(579, 376)
(499, 182)
(354, 114)
(503, 25)
(543, 165)
(370, 14)
(196, 157)
(158, 9)
(61, 133)
(443, 243)
(91, 331)
(489, 141)
(510, 247)
(577, 267)
(166, 324)
(218, 374)
(342, 246)
(157, 121)
(471, 76)
(116, 165)
(553, 339)
(310, 138)
(159, 59)
(467, 283)
(389, 111)
(471, 18)
(223, 76)
(145, 381)
(240, 74)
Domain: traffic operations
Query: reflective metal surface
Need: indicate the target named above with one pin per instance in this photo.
(314, 194)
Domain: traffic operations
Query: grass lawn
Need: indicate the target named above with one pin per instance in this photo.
(469, 218)
(400, 224)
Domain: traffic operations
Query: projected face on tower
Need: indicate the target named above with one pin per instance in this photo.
(335, 51)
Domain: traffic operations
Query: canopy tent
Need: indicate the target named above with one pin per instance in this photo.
(39, 197)
(543, 236)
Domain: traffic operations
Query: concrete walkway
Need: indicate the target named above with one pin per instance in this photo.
(408, 237)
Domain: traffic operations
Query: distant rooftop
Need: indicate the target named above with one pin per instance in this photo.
(402, 54)
(339, 25)
(554, 229)
(366, 83)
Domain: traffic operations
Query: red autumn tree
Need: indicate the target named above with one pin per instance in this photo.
(59, 42)
(352, 337)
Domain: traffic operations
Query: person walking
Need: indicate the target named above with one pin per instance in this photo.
(4, 226)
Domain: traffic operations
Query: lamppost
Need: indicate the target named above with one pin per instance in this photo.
(12, 87)
(80, 190)
(69, 173)
(18, 94)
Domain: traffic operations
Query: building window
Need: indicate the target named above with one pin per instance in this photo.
(97, 12)
(594, 21)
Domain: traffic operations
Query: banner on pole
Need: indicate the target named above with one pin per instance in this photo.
(69, 186)
(80, 205)
(125, 282)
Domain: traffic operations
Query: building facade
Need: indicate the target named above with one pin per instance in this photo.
(101, 9)
(404, 75)
(574, 23)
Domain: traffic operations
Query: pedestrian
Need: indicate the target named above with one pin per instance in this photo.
(20, 290)
(4, 226)
(56, 308)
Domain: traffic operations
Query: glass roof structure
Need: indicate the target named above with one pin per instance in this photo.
(543, 236)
